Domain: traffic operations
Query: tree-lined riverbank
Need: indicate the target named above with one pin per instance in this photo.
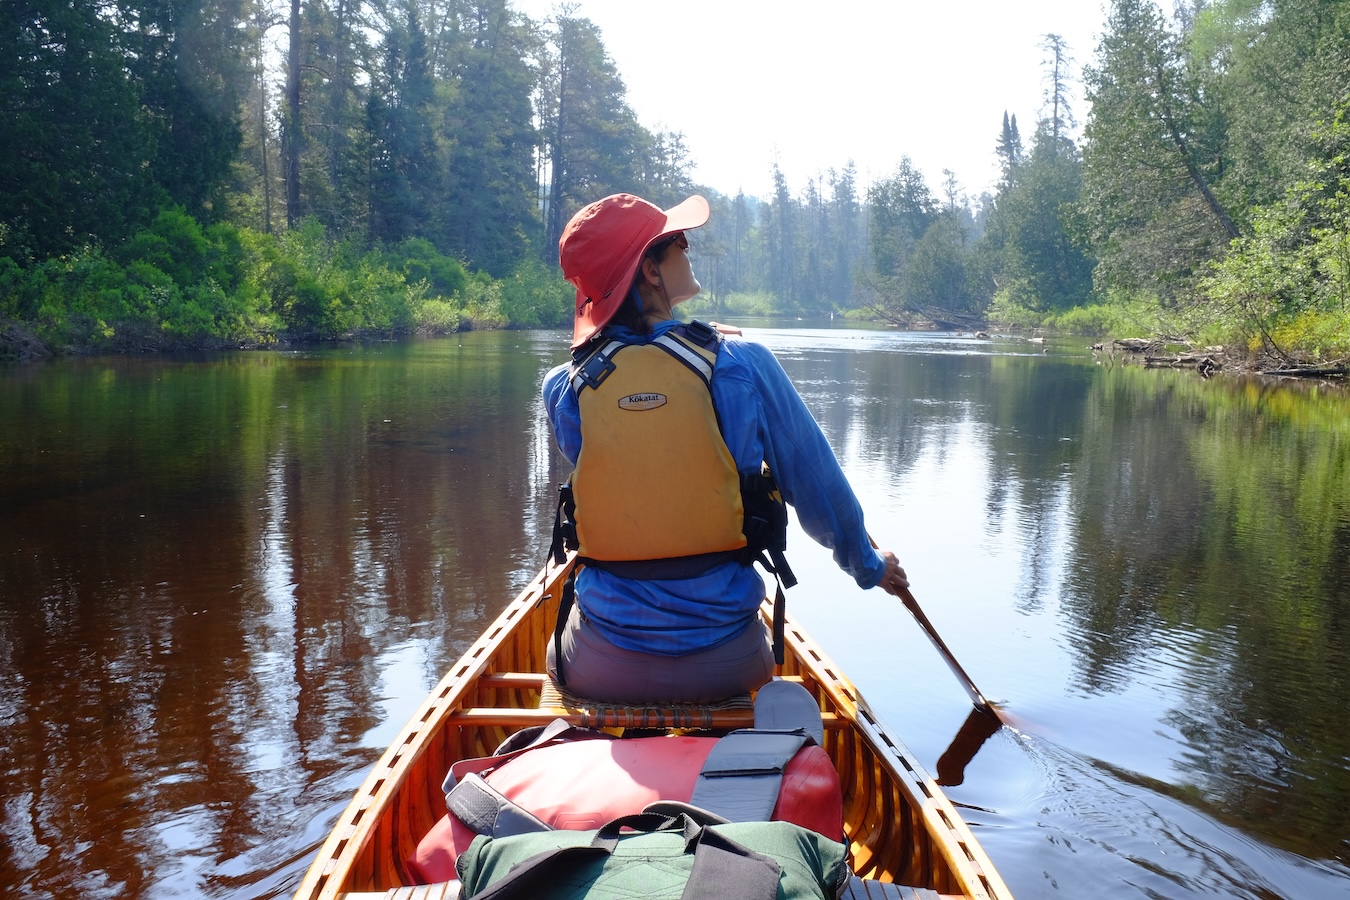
(207, 173)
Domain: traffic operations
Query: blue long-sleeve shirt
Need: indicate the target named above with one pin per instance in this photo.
(763, 419)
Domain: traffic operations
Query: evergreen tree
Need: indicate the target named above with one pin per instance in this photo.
(781, 242)
(110, 111)
(1008, 149)
(292, 127)
(405, 174)
(902, 208)
(847, 246)
(1043, 266)
(1278, 69)
(665, 178)
(593, 137)
(484, 60)
(335, 152)
(1150, 158)
(1058, 110)
(742, 219)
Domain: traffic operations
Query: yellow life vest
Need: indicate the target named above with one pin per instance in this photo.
(654, 479)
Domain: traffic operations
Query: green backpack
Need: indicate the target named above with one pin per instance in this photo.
(670, 857)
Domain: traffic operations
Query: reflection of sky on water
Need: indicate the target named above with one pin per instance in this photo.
(789, 343)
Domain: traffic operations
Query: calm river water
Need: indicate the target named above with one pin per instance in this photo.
(226, 581)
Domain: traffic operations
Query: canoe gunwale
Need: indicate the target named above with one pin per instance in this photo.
(933, 846)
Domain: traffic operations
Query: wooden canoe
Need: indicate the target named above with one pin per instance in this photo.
(900, 826)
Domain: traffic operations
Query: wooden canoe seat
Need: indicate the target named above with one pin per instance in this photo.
(600, 714)
(735, 712)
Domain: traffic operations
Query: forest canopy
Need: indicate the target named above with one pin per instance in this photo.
(244, 172)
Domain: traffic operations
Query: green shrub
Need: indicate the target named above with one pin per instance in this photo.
(175, 283)
(419, 260)
(174, 244)
(536, 296)
(437, 316)
(481, 301)
(734, 303)
(1096, 320)
(1005, 311)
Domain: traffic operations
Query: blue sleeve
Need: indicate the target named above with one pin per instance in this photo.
(563, 413)
(801, 459)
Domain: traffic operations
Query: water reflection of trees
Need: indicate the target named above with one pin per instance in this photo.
(1210, 530)
(210, 569)
(889, 409)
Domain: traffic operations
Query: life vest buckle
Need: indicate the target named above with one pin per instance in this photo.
(595, 370)
(701, 333)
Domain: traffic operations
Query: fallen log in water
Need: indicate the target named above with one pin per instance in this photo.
(1332, 372)
(1205, 365)
(1136, 345)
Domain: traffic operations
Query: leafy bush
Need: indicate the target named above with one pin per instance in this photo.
(1097, 320)
(175, 283)
(481, 301)
(536, 296)
(437, 316)
(1007, 312)
(735, 303)
(419, 260)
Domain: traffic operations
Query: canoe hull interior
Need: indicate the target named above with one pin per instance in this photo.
(900, 826)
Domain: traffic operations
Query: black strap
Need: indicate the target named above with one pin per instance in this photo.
(539, 735)
(722, 867)
(700, 333)
(564, 525)
(565, 602)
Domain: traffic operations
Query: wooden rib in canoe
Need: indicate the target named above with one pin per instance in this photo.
(900, 826)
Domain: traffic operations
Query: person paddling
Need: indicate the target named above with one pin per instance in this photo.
(684, 439)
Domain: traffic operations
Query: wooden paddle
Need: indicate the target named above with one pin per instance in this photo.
(916, 611)
(976, 697)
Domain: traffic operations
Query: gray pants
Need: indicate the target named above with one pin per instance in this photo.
(598, 670)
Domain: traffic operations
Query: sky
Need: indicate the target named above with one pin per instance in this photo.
(813, 85)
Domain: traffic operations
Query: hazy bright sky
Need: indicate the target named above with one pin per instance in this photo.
(815, 84)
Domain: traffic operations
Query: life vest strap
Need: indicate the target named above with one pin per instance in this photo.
(565, 602)
(682, 351)
(683, 342)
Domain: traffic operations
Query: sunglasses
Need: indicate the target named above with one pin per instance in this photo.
(660, 247)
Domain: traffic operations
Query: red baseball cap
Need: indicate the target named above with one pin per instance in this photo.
(602, 245)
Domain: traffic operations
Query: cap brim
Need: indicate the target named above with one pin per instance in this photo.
(692, 213)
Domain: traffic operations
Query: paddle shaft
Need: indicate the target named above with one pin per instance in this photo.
(917, 612)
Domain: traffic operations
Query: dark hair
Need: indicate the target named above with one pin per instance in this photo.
(628, 314)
